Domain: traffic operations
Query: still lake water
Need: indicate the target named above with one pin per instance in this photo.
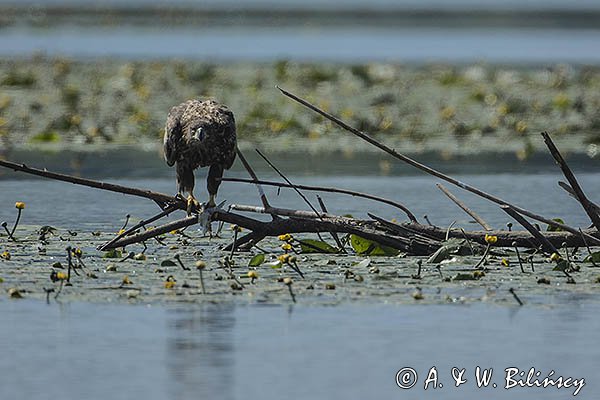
(228, 351)
(91, 351)
(353, 31)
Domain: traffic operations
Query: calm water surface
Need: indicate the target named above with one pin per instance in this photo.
(89, 351)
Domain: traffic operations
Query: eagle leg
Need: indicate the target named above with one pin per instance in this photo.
(192, 204)
(215, 173)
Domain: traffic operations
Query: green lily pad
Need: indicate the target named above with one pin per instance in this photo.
(464, 277)
(593, 257)
(451, 247)
(257, 260)
(368, 247)
(168, 263)
(113, 253)
(555, 228)
(562, 265)
(316, 246)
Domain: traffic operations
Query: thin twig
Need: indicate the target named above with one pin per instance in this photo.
(565, 186)
(292, 185)
(139, 225)
(255, 181)
(464, 207)
(408, 213)
(333, 234)
(589, 250)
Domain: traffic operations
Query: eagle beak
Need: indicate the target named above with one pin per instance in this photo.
(199, 134)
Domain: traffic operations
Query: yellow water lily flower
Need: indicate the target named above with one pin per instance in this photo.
(490, 239)
(284, 258)
(20, 205)
(505, 262)
(286, 246)
(170, 282)
(5, 255)
(555, 257)
(285, 237)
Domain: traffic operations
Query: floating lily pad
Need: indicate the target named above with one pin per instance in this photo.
(593, 257)
(368, 247)
(168, 263)
(316, 246)
(257, 260)
(555, 228)
(113, 253)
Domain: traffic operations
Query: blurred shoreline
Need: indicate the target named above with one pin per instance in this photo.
(174, 15)
(54, 103)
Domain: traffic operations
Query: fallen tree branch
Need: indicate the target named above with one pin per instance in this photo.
(368, 229)
(430, 170)
(160, 198)
(587, 205)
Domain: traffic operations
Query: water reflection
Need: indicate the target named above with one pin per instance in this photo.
(200, 352)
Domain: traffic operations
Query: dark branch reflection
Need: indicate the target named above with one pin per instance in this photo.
(200, 357)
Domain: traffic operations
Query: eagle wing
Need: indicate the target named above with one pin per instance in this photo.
(173, 134)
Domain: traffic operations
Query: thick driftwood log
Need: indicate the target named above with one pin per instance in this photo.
(415, 239)
(368, 229)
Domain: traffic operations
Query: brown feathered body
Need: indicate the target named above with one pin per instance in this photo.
(200, 134)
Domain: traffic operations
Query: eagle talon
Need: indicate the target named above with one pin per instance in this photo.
(192, 205)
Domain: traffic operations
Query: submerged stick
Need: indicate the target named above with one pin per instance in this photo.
(430, 170)
(577, 190)
(408, 213)
(464, 207)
